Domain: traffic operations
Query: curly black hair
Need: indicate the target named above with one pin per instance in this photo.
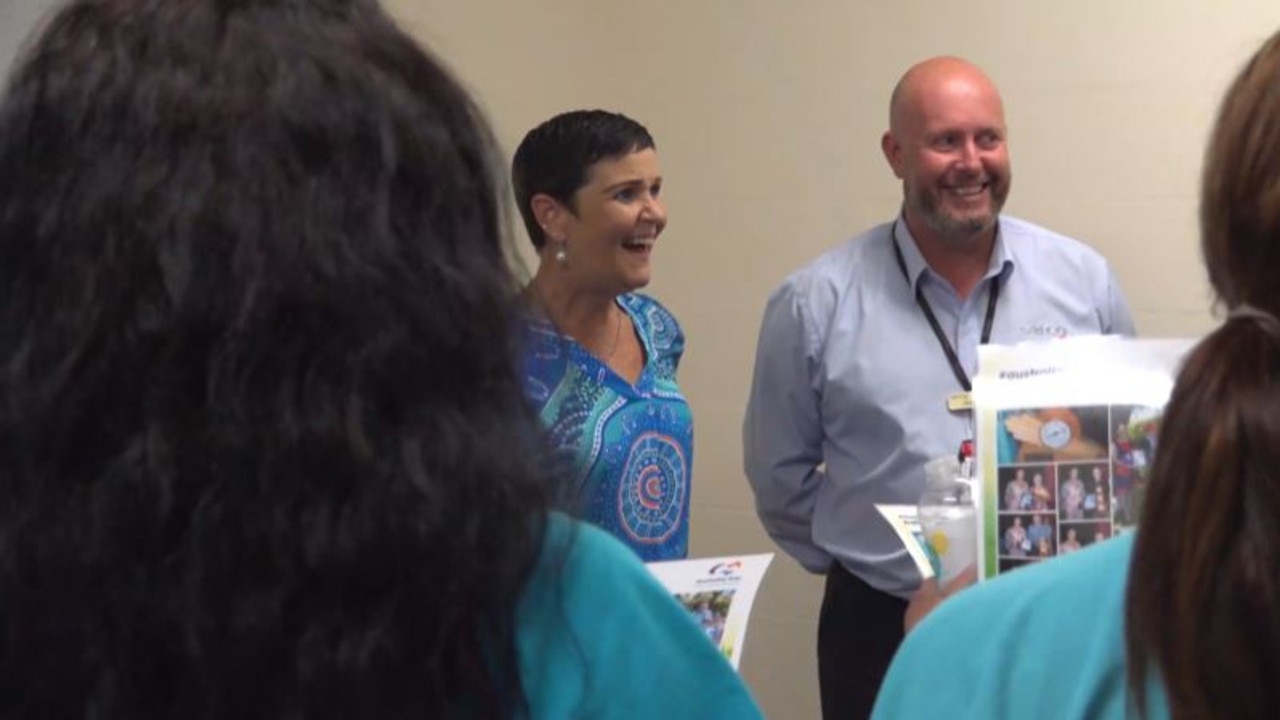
(263, 447)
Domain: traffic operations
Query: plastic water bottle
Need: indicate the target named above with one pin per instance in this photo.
(948, 516)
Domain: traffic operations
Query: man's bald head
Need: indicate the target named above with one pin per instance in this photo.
(922, 84)
(946, 142)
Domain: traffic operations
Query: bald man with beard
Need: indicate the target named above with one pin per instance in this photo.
(865, 356)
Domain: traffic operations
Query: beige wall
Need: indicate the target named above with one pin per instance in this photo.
(17, 19)
(768, 116)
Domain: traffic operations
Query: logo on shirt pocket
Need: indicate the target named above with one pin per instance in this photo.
(1044, 330)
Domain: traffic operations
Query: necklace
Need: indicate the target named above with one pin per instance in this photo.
(536, 295)
(617, 335)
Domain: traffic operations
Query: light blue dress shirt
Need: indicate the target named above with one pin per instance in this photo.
(848, 399)
(1046, 641)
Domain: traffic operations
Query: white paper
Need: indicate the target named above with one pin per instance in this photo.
(1066, 431)
(718, 592)
(905, 521)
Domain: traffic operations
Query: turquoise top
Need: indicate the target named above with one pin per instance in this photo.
(1045, 641)
(599, 637)
(627, 450)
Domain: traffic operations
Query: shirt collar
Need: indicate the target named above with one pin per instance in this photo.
(1001, 261)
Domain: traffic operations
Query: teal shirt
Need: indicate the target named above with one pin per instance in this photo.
(600, 638)
(1045, 641)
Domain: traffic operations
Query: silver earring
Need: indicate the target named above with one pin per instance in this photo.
(561, 256)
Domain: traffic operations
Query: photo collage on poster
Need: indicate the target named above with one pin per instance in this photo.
(1068, 477)
(710, 610)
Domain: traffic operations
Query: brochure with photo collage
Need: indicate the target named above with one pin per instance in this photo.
(1067, 431)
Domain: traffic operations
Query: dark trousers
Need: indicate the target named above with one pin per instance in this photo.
(859, 630)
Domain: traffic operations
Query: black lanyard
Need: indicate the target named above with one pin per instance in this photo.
(992, 298)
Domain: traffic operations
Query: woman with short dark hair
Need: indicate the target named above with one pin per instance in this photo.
(600, 358)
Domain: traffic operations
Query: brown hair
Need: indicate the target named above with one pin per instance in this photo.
(1203, 607)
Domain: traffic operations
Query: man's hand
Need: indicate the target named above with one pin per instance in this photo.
(929, 596)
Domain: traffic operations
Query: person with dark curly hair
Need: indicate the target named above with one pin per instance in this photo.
(264, 452)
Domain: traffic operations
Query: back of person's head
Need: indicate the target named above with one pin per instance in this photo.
(1203, 609)
(553, 159)
(263, 448)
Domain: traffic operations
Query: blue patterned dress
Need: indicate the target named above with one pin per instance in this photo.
(626, 450)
